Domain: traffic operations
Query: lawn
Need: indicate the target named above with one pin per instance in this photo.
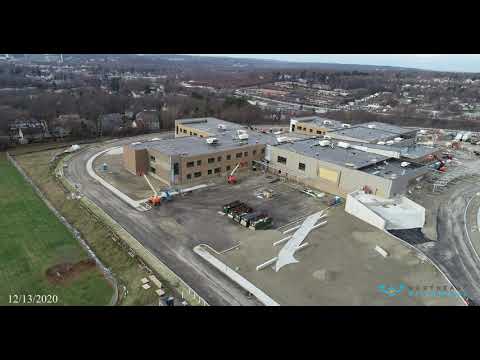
(32, 240)
(126, 269)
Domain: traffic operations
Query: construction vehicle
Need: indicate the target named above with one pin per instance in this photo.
(232, 179)
(166, 195)
(153, 200)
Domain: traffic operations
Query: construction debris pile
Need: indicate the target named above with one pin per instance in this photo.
(246, 216)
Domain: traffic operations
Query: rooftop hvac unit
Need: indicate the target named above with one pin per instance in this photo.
(324, 142)
(371, 126)
(346, 125)
(212, 141)
(398, 139)
(390, 142)
(350, 164)
(381, 143)
(404, 164)
(243, 136)
(282, 139)
(327, 122)
(135, 143)
(222, 127)
(343, 144)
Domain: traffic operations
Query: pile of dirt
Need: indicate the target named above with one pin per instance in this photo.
(63, 272)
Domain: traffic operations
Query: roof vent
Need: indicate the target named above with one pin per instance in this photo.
(371, 126)
(212, 141)
(327, 122)
(404, 164)
(324, 142)
(243, 136)
(343, 144)
(222, 127)
(282, 139)
(346, 125)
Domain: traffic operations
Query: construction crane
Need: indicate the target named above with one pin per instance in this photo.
(232, 179)
(154, 200)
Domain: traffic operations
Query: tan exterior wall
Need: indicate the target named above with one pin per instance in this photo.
(162, 165)
(135, 161)
(185, 130)
(205, 166)
(326, 176)
(310, 129)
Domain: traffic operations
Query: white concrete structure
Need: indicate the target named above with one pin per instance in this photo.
(236, 277)
(285, 256)
(386, 214)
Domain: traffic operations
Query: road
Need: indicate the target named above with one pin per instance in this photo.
(175, 250)
(453, 250)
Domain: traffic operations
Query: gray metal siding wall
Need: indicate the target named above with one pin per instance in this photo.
(400, 184)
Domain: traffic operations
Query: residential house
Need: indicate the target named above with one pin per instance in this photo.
(147, 119)
(110, 122)
(26, 131)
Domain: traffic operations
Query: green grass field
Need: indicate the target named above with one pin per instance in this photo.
(32, 240)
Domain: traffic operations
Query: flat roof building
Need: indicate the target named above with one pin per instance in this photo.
(314, 125)
(372, 132)
(203, 127)
(190, 158)
(340, 170)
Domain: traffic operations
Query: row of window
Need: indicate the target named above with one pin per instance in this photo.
(319, 132)
(283, 160)
(209, 172)
(185, 131)
(219, 158)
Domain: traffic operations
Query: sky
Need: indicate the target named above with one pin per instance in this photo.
(440, 62)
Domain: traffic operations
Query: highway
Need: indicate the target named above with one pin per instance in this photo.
(175, 250)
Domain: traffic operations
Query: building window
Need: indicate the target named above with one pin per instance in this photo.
(238, 155)
(218, 170)
(195, 134)
(293, 128)
(152, 158)
(254, 152)
(228, 168)
(201, 136)
(263, 151)
(189, 176)
(198, 174)
(209, 171)
(281, 160)
(199, 162)
(229, 157)
(190, 133)
(219, 158)
(211, 160)
(301, 166)
(319, 132)
(184, 131)
(176, 169)
(177, 129)
(311, 130)
(190, 164)
(245, 153)
(153, 170)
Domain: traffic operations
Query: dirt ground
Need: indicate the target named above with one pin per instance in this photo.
(62, 273)
(339, 267)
